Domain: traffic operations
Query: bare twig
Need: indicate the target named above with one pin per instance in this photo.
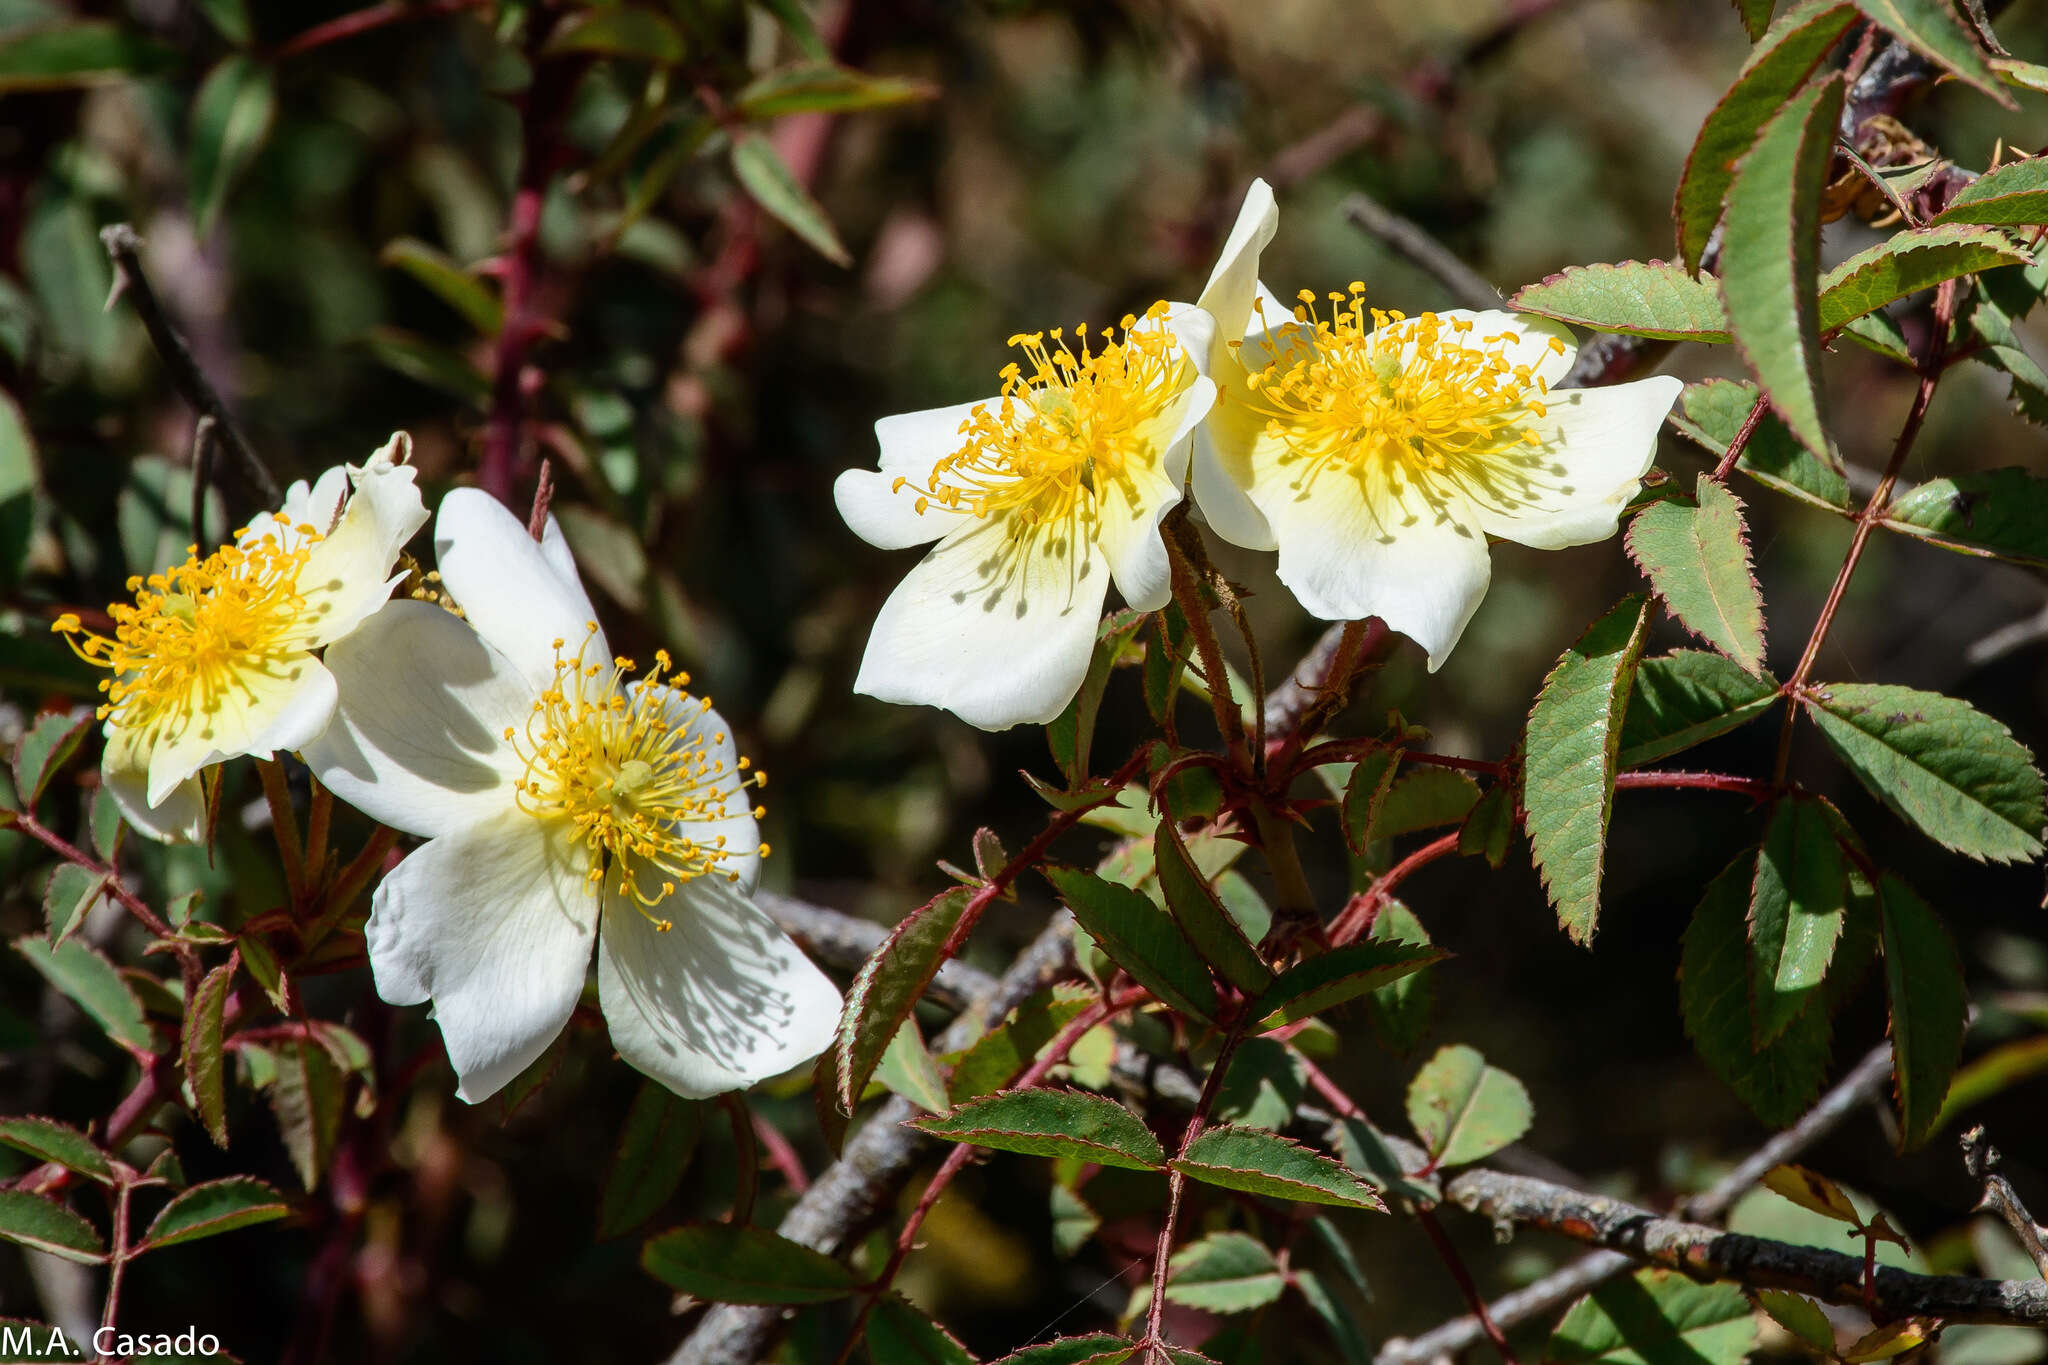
(1981, 1159)
(132, 282)
(1412, 241)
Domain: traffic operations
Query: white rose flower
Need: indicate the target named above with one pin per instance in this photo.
(556, 796)
(215, 660)
(1377, 452)
(1038, 498)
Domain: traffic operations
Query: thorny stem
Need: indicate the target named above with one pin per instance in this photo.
(1355, 919)
(1742, 435)
(26, 822)
(1293, 898)
(1334, 691)
(117, 1260)
(1177, 1181)
(1716, 782)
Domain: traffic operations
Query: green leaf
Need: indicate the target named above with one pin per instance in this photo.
(2014, 195)
(1225, 1272)
(1913, 260)
(1001, 1053)
(767, 177)
(1779, 64)
(63, 55)
(907, 1069)
(231, 119)
(1812, 1190)
(438, 273)
(1770, 256)
(1072, 732)
(1685, 698)
(1798, 901)
(19, 476)
(1254, 1161)
(1424, 798)
(1802, 1317)
(1329, 979)
(1656, 1317)
(212, 1208)
(1365, 795)
(45, 747)
(1713, 412)
(2001, 512)
(813, 87)
(888, 987)
(1465, 1110)
(81, 972)
(1931, 28)
(200, 1050)
(230, 17)
(1201, 916)
(797, 23)
(899, 1334)
(1924, 982)
(34, 1221)
(1997, 1070)
(1659, 299)
(1779, 1081)
(647, 1166)
(425, 362)
(1097, 1348)
(1573, 739)
(1489, 826)
(739, 1263)
(1139, 937)
(1056, 1123)
(1342, 1326)
(1073, 1222)
(1400, 1010)
(1755, 15)
(624, 31)
(49, 1140)
(306, 1098)
(107, 824)
(1939, 763)
(1696, 555)
(73, 890)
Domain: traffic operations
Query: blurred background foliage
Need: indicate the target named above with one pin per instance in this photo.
(328, 224)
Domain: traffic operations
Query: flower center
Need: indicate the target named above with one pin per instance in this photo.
(1417, 401)
(1061, 436)
(635, 786)
(199, 629)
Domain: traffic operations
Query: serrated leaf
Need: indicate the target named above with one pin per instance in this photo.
(1329, 979)
(71, 894)
(1425, 797)
(45, 747)
(813, 87)
(306, 1098)
(1139, 937)
(1783, 58)
(1572, 741)
(1929, 1007)
(1660, 299)
(1696, 556)
(1810, 1189)
(1798, 901)
(1910, 261)
(49, 1140)
(2012, 195)
(622, 31)
(200, 1050)
(1770, 256)
(1365, 795)
(231, 119)
(1225, 1272)
(83, 973)
(1400, 1010)
(1688, 697)
(1097, 1348)
(1055, 1123)
(438, 273)
(212, 1208)
(647, 1166)
(1892, 1339)
(739, 1263)
(2002, 512)
(1263, 1087)
(767, 177)
(1195, 907)
(907, 1069)
(1802, 1317)
(1254, 1161)
(1939, 763)
(107, 824)
(901, 1334)
(888, 987)
(1755, 16)
(1931, 28)
(1465, 1110)
(1489, 826)
(1656, 1317)
(1778, 1082)
(33, 1221)
(1713, 412)
(1002, 1052)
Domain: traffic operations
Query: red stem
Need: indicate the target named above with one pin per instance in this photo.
(1742, 435)
(1356, 918)
(1474, 1300)
(1176, 1182)
(365, 21)
(1717, 782)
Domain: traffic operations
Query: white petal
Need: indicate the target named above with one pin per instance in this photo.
(1129, 527)
(1221, 473)
(721, 1000)
(508, 589)
(348, 575)
(417, 741)
(1195, 330)
(494, 924)
(1234, 283)
(319, 505)
(253, 712)
(1598, 443)
(1531, 339)
(694, 721)
(889, 517)
(912, 442)
(995, 631)
(554, 548)
(1421, 571)
(178, 819)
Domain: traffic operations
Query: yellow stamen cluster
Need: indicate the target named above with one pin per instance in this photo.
(1395, 400)
(1075, 424)
(630, 782)
(200, 629)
